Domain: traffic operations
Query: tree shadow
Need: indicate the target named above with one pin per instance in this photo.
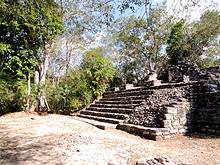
(26, 149)
(199, 135)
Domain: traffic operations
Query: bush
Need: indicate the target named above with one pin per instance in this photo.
(13, 96)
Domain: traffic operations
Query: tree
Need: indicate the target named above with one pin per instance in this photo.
(207, 34)
(195, 41)
(27, 31)
(84, 83)
(97, 70)
(176, 43)
(142, 41)
(83, 20)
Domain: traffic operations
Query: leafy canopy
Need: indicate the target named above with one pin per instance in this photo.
(26, 28)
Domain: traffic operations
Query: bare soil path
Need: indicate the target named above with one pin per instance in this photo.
(55, 139)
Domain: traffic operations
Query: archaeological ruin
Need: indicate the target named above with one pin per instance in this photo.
(190, 102)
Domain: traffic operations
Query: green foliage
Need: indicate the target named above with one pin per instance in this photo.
(26, 27)
(197, 42)
(97, 70)
(217, 62)
(141, 42)
(176, 43)
(83, 84)
(12, 96)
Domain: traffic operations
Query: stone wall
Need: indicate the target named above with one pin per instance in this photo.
(189, 103)
(179, 108)
(214, 69)
(151, 113)
(170, 106)
(207, 102)
(208, 113)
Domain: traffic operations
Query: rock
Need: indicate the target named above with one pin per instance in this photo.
(162, 160)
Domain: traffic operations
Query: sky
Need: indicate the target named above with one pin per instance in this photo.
(175, 7)
(182, 8)
(186, 8)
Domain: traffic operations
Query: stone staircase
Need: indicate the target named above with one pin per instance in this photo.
(115, 106)
(159, 111)
(125, 109)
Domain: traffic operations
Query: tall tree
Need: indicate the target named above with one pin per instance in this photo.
(83, 19)
(27, 31)
(195, 41)
(142, 41)
(176, 43)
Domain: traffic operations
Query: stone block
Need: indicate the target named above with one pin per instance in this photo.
(175, 116)
(183, 121)
(218, 132)
(116, 88)
(174, 131)
(167, 123)
(146, 133)
(171, 110)
(164, 129)
(211, 131)
(168, 116)
(175, 110)
(167, 137)
(175, 123)
(182, 131)
(129, 86)
(159, 133)
(166, 133)
(203, 129)
(158, 138)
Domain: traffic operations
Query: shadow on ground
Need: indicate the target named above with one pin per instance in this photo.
(24, 149)
(198, 135)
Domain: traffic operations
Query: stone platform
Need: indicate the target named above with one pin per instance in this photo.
(158, 111)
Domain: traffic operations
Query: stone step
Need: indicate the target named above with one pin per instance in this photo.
(129, 93)
(125, 90)
(100, 125)
(126, 98)
(102, 119)
(130, 106)
(145, 132)
(120, 102)
(105, 114)
(111, 110)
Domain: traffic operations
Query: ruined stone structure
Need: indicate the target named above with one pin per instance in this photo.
(189, 103)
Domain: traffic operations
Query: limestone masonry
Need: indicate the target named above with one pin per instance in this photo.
(190, 102)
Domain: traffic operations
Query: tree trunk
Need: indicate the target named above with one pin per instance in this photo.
(42, 81)
(29, 92)
(34, 106)
(59, 76)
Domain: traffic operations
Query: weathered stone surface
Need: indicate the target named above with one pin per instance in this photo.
(185, 71)
(162, 160)
(190, 102)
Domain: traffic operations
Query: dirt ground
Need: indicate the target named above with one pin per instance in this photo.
(56, 139)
